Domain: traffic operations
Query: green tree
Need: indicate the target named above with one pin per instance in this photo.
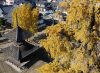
(1, 22)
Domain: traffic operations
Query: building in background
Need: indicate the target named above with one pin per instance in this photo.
(9, 2)
(41, 5)
(2, 2)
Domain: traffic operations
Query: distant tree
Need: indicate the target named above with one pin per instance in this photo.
(1, 22)
(27, 17)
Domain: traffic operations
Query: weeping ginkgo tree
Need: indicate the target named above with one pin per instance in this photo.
(74, 46)
(27, 17)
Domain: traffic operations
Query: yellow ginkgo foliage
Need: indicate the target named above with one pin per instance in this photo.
(80, 19)
(64, 5)
(56, 43)
(74, 46)
(26, 17)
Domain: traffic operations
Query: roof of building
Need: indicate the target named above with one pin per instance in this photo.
(40, 1)
(1, 2)
(18, 34)
(7, 11)
(1, 11)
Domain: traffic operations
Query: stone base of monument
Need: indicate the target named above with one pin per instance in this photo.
(16, 65)
(18, 55)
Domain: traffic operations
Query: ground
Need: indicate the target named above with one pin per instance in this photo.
(4, 68)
